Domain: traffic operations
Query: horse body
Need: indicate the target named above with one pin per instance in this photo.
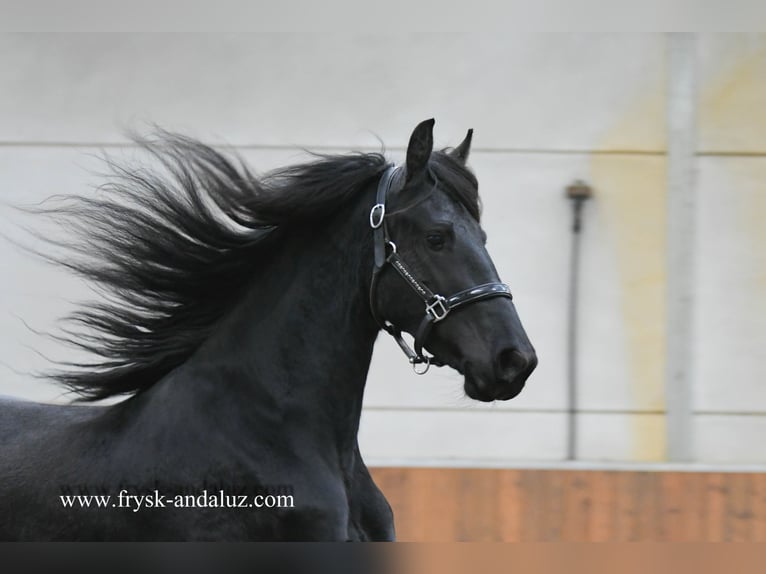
(245, 349)
(336, 500)
(223, 413)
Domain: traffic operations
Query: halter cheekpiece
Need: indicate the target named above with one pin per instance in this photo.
(437, 307)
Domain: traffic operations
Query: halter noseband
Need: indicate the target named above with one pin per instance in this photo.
(437, 306)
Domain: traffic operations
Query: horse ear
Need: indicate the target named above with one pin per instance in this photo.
(461, 152)
(419, 149)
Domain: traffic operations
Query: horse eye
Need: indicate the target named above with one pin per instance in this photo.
(435, 240)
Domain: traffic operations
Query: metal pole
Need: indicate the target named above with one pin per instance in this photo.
(578, 193)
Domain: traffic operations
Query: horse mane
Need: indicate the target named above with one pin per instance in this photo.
(172, 249)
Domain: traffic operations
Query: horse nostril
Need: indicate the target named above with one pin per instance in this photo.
(531, 363)
(513, 362)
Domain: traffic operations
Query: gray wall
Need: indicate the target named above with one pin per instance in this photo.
(546, 109)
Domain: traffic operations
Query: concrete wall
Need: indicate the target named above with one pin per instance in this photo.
(546, 109)
(730, 394)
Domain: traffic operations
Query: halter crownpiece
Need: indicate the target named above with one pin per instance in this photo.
(437, 307)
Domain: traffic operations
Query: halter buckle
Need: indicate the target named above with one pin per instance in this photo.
(438, 308)
(377, 214)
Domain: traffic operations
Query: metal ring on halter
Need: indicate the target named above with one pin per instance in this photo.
(377, 215)
(426, 362)
(392, 245)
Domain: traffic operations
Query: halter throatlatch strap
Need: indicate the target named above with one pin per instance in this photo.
(437, 307)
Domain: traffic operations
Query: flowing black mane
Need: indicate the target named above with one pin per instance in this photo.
(173, 252)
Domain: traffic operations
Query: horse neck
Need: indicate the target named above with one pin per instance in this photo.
(301, 341)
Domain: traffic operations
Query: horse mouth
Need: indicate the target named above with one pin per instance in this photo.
(496, 391)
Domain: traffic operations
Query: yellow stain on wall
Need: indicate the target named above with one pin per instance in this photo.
(632, 193)
(733, 119)
(631, 190)
(732, 114)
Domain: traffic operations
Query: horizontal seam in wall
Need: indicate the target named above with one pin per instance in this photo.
(731, 413)
(735, 154)
(322, 147)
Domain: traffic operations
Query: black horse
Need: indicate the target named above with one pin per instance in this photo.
(240, 318)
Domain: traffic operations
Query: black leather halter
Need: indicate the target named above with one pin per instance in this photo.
(437, 306)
